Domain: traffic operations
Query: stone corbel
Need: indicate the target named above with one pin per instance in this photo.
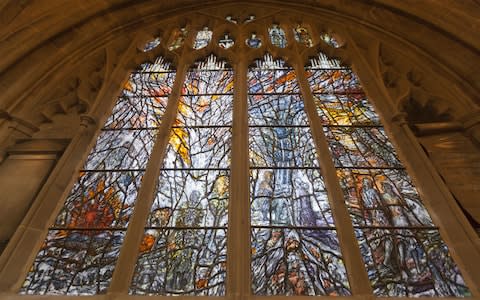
(18, 128)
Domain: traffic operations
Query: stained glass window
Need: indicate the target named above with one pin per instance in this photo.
(330, 40)
(277, 36)
(294, 245)
(152, 44)
(303, 36)
(295, 250)
(183, 251)
(226, 42)
(253, 41)
(177, 39)
(203, 38)
(82, 246)
(401, 247)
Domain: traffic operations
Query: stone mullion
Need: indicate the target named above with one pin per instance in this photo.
(357, 275)
(238, 249)
(125, 266)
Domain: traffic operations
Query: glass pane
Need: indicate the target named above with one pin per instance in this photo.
(177, 39)
(330, 40)
(282, 147)
(137, 112)
(203, 38)
(73, 262)
(181, 262)
(253, 41)
(289, 197)
(277, 36)
(361, 147)
(201, 82)
(382, 197)
(276, 110)
(100, 200)
(152, 44)
(410, 263)
(190, 198)
(226, 42)
(155, 83)
(121, 149)
(345, 110)
(205, 110)
(297, 262)
(333, 81)
(198, 148)
(303, 36)
(261, 81)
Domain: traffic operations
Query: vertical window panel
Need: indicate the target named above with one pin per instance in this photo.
(295, 248)
(183, 251)
(402, 249)
(82, 246)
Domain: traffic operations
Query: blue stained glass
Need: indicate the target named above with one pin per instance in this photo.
(282, 147)
(277, 36)
(121, 149)
(276, 110)
(253, 41)
(203, 38)
(150, 45)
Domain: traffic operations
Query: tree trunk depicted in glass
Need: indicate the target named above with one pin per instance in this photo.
(295, 250)
(183, 251)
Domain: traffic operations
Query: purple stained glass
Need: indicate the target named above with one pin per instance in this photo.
(289, 197)
(190, 198)
(188, 262)
(277, 110)
(297, 262)
(100, 200)
(282, 147)
(74, 262)
(382, 197)
(121, 149)
(410, 263)
(361, 147)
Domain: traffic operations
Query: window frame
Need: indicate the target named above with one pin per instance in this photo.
(426, 178)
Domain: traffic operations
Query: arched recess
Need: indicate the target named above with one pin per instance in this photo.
(90, 68)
